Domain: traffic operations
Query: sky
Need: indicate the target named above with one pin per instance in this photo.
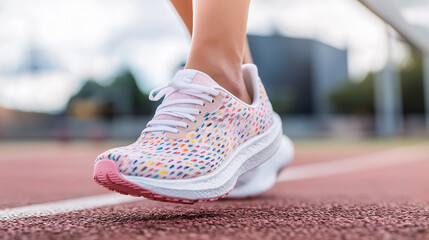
(95, 39)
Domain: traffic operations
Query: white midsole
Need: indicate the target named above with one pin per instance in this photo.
(262, 178)
(249, 155)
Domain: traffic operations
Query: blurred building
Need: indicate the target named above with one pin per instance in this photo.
(299, 74)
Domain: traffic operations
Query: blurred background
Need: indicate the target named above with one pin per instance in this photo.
(333, 68)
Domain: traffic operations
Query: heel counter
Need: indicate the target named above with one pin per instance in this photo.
(264, 97)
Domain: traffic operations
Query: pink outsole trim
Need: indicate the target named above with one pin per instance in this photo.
(107, 175)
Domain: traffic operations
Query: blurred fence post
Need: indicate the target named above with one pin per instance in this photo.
(426, 86)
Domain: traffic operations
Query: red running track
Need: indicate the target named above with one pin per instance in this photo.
(386, 203)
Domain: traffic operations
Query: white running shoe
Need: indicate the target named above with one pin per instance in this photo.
(200, 141)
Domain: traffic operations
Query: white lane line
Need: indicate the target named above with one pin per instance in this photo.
(63, 206)
(387, 158)
(372, 161)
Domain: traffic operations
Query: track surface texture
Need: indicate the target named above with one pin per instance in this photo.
(390, 202)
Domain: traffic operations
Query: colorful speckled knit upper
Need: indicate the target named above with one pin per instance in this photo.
(197, 152)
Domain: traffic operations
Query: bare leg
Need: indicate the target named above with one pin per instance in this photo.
(184, 9)
(247, 57)
(219, 40)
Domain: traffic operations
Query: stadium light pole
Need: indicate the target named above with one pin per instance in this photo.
(388, 98)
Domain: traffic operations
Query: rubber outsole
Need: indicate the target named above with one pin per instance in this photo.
(107, 175)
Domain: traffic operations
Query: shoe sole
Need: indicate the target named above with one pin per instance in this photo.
(262, 178)
(209, 187)
(107, 175)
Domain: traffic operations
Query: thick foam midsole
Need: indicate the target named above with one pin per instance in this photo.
(264, 177)
(249, 155)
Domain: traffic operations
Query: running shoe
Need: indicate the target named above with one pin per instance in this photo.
(200, 141)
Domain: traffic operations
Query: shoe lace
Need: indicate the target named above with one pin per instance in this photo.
(182, 85)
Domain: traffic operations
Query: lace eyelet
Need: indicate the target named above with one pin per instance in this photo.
(199, 112)
(187, 126)
(212, 100)
(204, 104)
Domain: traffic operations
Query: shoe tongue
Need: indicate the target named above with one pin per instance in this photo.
(198, 78)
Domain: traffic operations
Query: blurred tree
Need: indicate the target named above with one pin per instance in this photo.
(358, 97)
(139, 101)
(412, 85)
(121, 97)
(355, 97)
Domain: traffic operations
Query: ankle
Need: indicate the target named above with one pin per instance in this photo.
(229, 78)
(234, 83)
